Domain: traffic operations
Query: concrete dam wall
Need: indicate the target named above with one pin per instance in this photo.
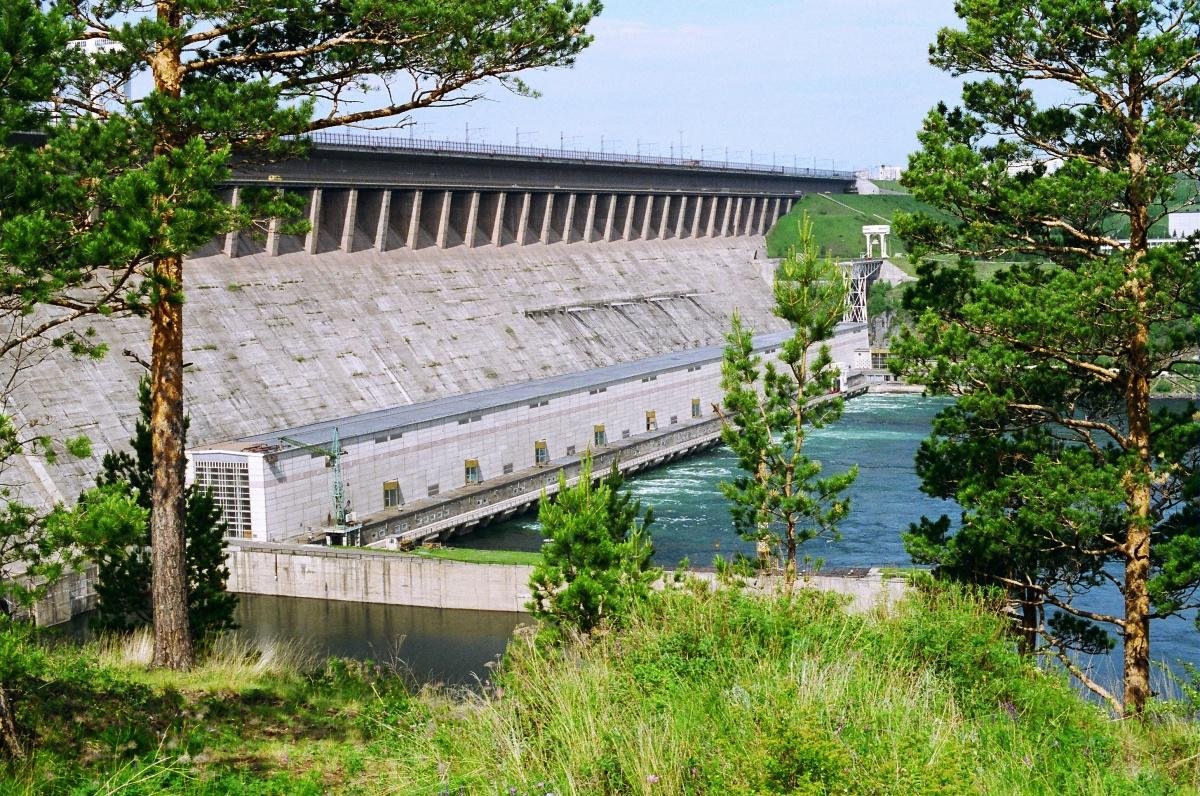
(280, 341)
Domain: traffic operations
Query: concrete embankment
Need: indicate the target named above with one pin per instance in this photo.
(72, 594)
(357, 575)
(278, 342)
(896, 388)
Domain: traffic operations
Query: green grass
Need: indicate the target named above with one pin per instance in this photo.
(890, 185)
(1178, 384)
(705, 693)
(475, 556)
(838, 220)
(466, 554)
(1186, 192)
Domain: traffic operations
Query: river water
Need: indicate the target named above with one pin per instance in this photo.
(879, 433)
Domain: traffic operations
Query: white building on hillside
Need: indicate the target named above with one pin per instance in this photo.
(1180, 225)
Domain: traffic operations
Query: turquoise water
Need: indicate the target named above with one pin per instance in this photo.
(879, 433)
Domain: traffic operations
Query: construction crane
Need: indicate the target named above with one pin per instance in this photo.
(344, 530)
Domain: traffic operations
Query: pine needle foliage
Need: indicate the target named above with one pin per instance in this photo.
(782, 500)
(114, 191)
(123, 554)
(1069, 477)
(595, 562)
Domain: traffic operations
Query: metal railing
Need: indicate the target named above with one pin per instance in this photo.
(376, 143)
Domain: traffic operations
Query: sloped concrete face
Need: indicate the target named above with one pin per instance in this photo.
(275, 342)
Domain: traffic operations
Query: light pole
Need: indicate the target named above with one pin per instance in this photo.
(525, 133)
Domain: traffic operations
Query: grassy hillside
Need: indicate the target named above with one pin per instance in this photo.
(838, 220)
(1186, 192)
(890, 185)
(705, 694)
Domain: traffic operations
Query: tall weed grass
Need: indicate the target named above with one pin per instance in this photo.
(706, 692)
(726, 693)
(231, 661)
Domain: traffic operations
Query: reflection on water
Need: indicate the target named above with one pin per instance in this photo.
(436, 644)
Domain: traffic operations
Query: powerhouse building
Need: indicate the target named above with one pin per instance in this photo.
(277, 486)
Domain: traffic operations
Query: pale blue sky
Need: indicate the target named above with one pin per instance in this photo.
(845, 81)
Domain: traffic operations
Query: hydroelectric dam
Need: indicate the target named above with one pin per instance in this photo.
(463, 318)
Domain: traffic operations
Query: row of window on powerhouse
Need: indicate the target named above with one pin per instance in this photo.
(392, 496)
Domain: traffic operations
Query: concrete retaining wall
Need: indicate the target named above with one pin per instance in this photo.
(72, 594)
(395, 579)
(384, 578)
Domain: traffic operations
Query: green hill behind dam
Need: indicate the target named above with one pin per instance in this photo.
(838, 219)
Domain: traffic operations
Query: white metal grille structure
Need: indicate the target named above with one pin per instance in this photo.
(230, 485)
(858, 274)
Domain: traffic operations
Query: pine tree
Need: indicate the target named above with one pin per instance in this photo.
(1068, 477)
(595, 563)
(123, 557)
(244, 77)
(59, 264)
(781, 501)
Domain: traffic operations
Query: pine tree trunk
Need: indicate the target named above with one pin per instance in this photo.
(790, 567)
(10, 742)
(1137, 545)
(1137, 407)
(168, 583)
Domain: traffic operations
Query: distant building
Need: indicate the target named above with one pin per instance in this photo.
(888, 173)
(1051, 165)
(1181, 225)
(117, 92)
